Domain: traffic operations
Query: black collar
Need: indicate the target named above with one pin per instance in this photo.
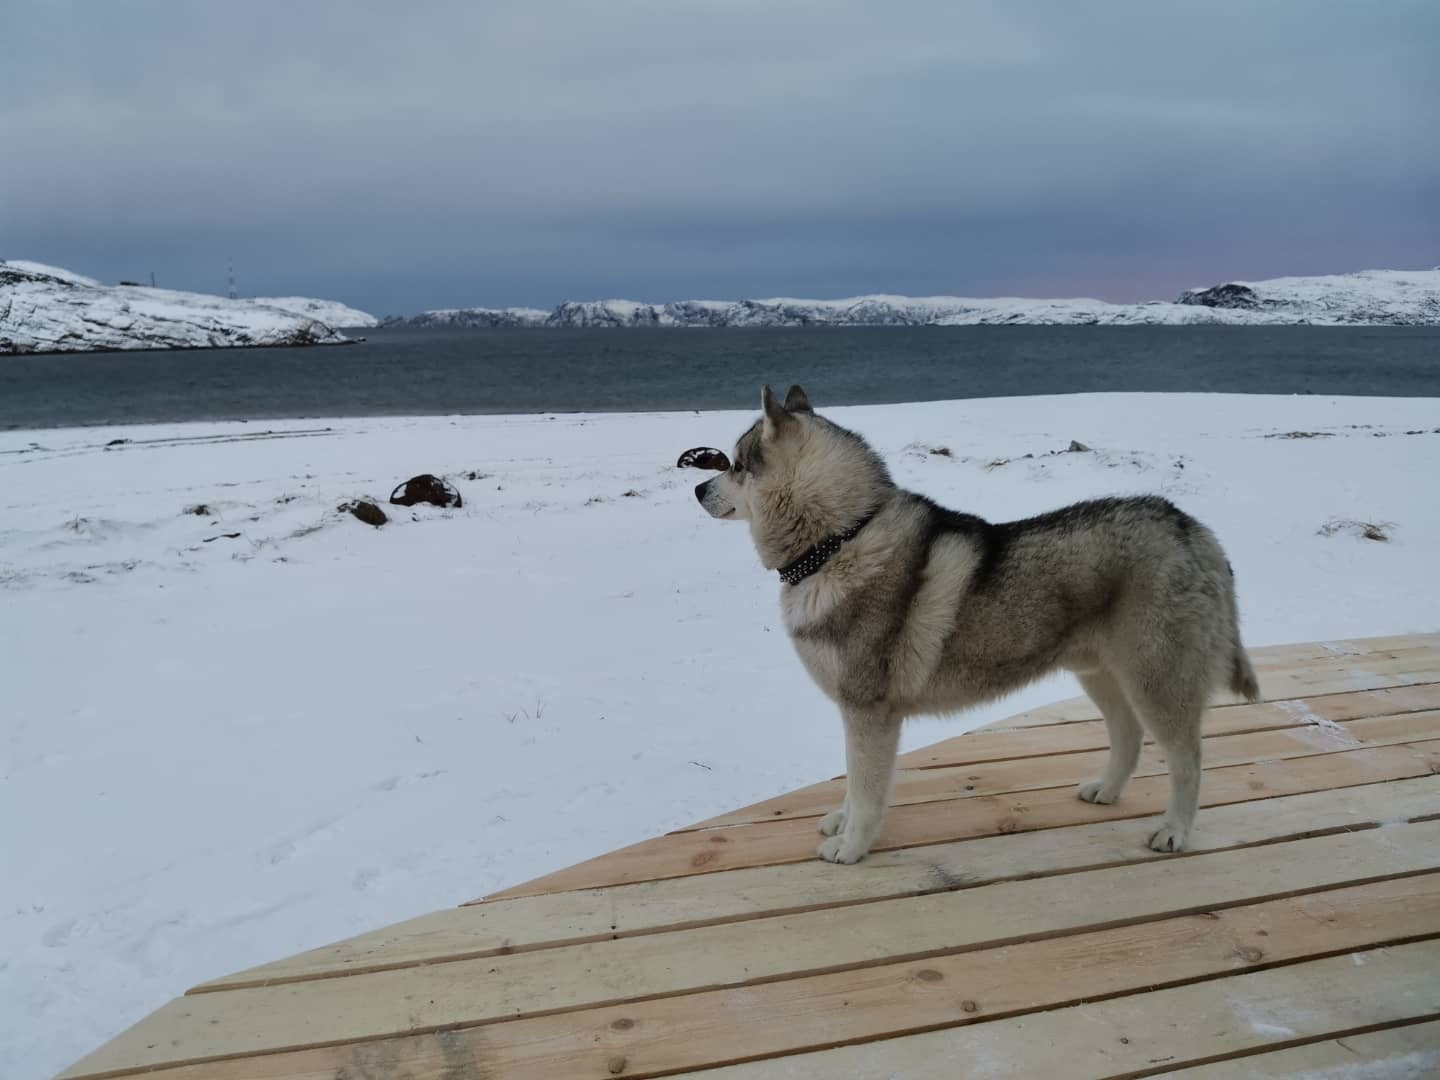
(810, 561)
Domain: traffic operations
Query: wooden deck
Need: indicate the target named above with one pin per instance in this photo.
(1003, 928)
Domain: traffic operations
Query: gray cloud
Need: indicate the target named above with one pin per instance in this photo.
(439, 153)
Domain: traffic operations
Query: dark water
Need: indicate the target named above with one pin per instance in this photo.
(414, 372)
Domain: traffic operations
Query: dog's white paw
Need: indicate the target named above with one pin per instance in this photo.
(1168, 838)
(836, 849)
(1095, 791)
(832, 823)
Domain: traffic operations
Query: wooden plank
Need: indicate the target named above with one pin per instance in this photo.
(568, 918)
(1133, 1035)
(717, 1027)
(1410, 1052)
(549, 980)
(1031, 774)
(711, 851)
(1300, 653)
(1324, 677)
(992, 744)
(1330, 677)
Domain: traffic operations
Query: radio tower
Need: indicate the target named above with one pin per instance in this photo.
(233, 294)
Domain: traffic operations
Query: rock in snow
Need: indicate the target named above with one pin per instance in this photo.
(1401, 297)
(45, 309)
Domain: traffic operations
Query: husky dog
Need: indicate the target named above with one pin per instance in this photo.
(898, 607)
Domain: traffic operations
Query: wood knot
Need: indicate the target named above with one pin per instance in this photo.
(928, 975)
(718, 839)
(623, 1024)
(1009, 825)
(1249, 953)
(1256, 785)
(969, 1006)
(700, 858)
(616, 1065)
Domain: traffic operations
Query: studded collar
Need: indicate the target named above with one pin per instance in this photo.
(810, 561)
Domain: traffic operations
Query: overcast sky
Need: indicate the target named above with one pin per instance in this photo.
(436, 153)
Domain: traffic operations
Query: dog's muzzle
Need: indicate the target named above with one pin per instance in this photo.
(701, 490)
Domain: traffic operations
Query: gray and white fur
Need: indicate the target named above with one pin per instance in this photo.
(929, 610)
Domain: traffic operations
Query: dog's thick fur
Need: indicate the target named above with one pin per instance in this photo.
(928, 610)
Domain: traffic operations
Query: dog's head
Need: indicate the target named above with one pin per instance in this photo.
(795, 477)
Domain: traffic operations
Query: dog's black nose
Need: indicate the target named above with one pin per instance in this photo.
(700, 490)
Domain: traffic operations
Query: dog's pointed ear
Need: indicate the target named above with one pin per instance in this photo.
(776, 418)
(796, 401)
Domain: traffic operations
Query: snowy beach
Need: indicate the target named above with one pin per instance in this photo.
(239, 723)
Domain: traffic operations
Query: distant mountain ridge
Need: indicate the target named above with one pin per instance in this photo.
(1367, 297)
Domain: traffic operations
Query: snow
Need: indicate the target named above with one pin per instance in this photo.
(25, 266)
(330, 312)
(1410, 297)
(45, 309)
(218, 751)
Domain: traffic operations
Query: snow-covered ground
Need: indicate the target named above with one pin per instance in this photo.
(46, 309)
(1368, 297)
(231, 735)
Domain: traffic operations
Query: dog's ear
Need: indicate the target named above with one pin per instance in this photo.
(776, 418)
(796, 401)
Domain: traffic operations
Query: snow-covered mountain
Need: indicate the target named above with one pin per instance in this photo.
(488, 317)
(1406, 297)
(1376, 297)
(46, 309)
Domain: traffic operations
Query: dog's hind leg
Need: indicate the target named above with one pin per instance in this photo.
(871, 739)
(1181, 742)
(1125, 736)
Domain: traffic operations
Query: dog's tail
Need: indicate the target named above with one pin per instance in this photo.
(1242, 676)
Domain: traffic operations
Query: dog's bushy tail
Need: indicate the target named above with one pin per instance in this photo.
(1242, 676)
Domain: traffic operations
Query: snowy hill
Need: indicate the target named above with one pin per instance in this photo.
(45, 309)
(488, 317)
(1397, 297)
(330, 312)
(1400, 297)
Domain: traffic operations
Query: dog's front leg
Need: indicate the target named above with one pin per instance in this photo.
(871, 738)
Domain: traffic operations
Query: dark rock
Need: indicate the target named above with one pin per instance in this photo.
(366, 511)
(1077, 447)
(703, 457)
(427, 489)
(1222, 296)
